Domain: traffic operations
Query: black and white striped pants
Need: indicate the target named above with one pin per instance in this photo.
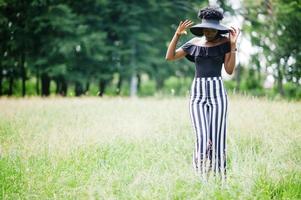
(208, 112)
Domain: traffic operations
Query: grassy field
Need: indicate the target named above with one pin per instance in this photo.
(121, 148)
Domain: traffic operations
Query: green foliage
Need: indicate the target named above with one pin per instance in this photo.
(230, 84)
(147, 88)
(77, 42)
(292, 91)
(91, 40)
(178, 86)
(273, 27)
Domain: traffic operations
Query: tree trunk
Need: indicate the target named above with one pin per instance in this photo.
(64, 87)
(279, 81)
(1, 79)
(78, 89)
(61, 86)
(87, 87)
(45, 80)
(258, 74)
(102, 87)
(38, 81)
(10, 84)
(138, 82)
(119, 85)
(58, 85)
(133, 86)
(159, 83)
(23, 74)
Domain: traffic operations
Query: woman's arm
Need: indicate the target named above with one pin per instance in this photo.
(230, 57)
(171, 54)
(230, 60)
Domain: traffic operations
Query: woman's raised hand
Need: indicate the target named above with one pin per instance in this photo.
(234, 34)
(182, 27)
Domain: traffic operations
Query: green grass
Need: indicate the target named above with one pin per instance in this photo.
(121, 148)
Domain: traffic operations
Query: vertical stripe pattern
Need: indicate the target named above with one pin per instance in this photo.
(208, 113)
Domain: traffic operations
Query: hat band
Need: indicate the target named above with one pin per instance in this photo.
(210, 21)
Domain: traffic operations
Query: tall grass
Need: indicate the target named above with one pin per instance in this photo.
(121, 148)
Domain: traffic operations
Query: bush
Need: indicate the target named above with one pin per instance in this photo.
(177, 86)
(291, 90)
(147, 88)
(230, 84)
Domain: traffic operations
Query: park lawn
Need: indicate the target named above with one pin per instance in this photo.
(141, 148)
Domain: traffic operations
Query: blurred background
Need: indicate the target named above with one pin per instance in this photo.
(117, 48)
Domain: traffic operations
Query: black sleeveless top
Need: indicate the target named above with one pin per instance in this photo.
(208, 60)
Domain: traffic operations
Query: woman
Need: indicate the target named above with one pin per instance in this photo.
(208, 97)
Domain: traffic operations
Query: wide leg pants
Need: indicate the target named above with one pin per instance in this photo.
(208, 112)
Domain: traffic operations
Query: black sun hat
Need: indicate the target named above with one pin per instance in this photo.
(208, 23)
(211, 17)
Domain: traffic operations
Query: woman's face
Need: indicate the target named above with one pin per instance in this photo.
(210, 33)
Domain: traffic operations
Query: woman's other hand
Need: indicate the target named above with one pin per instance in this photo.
(183, 26)
(234, 34)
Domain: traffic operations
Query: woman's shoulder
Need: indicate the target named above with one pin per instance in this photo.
(193, 48)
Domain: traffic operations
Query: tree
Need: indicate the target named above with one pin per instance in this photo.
(53, 26)
(273, 26)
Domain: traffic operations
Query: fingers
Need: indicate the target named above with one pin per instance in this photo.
(187, 23)
(231, 31)
(234, 31)
(238, 31)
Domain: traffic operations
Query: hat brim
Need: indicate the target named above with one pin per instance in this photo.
(198, 28)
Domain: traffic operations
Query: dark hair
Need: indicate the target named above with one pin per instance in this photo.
(210, 13)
